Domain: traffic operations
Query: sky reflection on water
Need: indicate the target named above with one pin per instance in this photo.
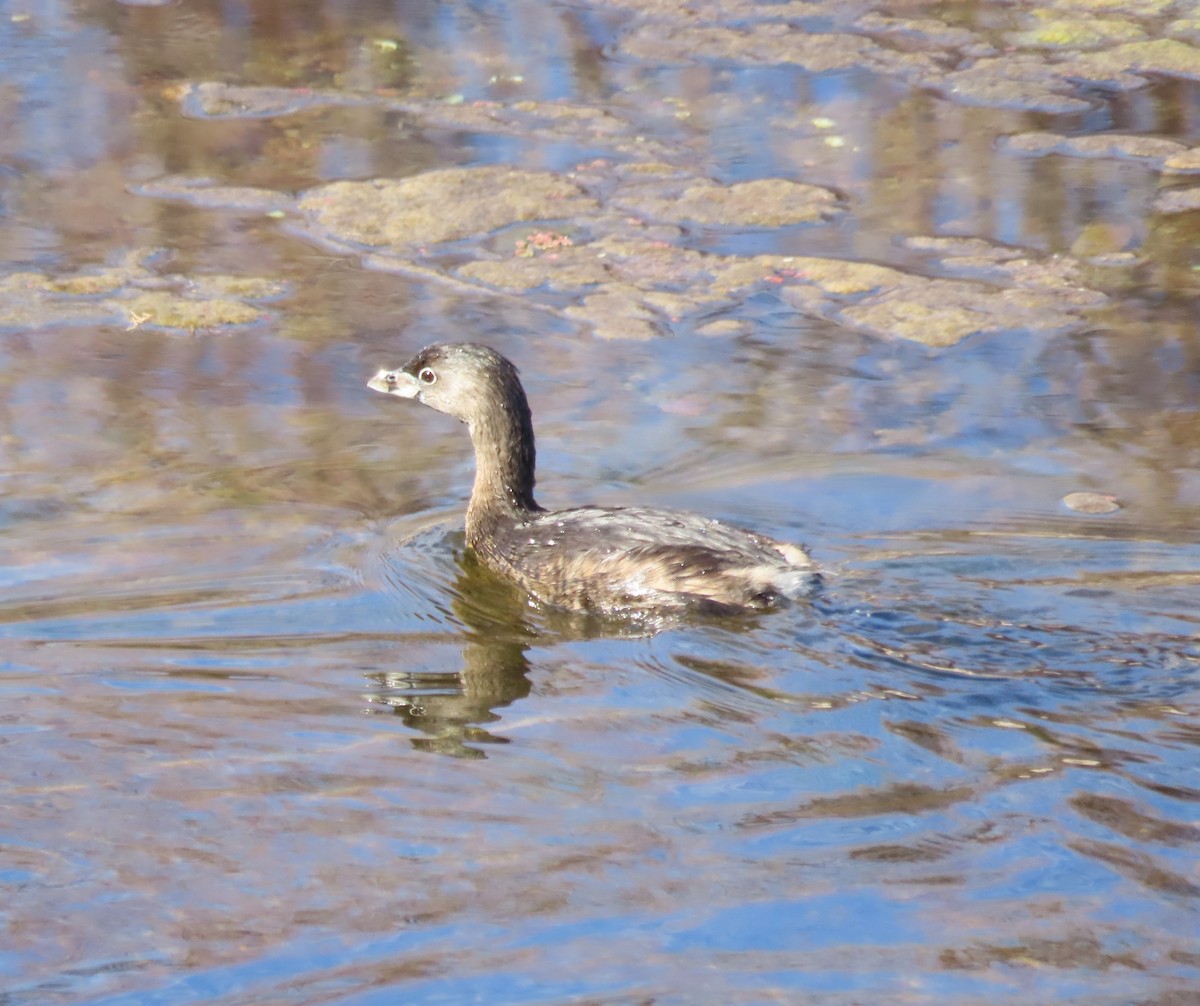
(268, 736)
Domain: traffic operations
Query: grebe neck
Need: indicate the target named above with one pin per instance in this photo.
(502, 435)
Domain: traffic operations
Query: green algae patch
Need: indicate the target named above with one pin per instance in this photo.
(1020, 82)
(951, 248)
(898, 315)
(163, 309)
(565, 269)
(655, 264)
(1101, 239)
(1170, 201)
(941, 313)
(1128, 8)
(132, 295)
(1078, 34)
(713, 10)
(841, 278)
(87, 284)
(1150, 149)
(651, 169)
(239, 287)
(832, 277)
(1044, 296)
(683, 41)
(445, 205)
(617, 312)
(767, 202)
(596, 121)
(730, 274)
(924, 31)
(568, 120)
(1186, 162)
(1167, 57)
(29, 301)
(1186, 28)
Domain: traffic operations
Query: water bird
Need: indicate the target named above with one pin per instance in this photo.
(602, 560)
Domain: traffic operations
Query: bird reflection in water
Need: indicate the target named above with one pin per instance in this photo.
(452, 709)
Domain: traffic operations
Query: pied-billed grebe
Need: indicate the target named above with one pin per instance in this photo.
(599, 559)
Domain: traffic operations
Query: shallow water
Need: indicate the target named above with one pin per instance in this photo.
(267, 735)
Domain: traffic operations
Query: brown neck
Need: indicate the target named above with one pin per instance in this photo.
(502, 434)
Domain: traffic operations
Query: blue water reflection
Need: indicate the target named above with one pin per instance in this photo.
(268, 735)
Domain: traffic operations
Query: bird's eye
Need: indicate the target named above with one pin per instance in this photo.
(427, 376)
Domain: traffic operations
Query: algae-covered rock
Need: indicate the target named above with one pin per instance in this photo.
(655, 264)
(616, 312)
(899, 315)
(240, 287)
(951, 248)
(27, 300)
(766, 202)
(164, 309)
(86, 284)
(927, 31)
(1078, 34)
(1127, 8)
(1101, 239)
(1186, 162)
(944, 312)
(707, 10)
(132, 295)
(566, 269)
(1185, 200)
(684, 41)
(887, 303)
(441, 205)
(1168, 57)
(1134, 148)
(1150, 149)
(842, 278)
(1186, 28)
(1021, 82)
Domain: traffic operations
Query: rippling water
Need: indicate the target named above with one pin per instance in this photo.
(268, 735)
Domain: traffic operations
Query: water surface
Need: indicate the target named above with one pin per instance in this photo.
(267, 735)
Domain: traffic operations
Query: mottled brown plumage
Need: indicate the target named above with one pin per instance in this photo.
(601, 559)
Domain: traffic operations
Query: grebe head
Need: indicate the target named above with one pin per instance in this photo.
(463, 380)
